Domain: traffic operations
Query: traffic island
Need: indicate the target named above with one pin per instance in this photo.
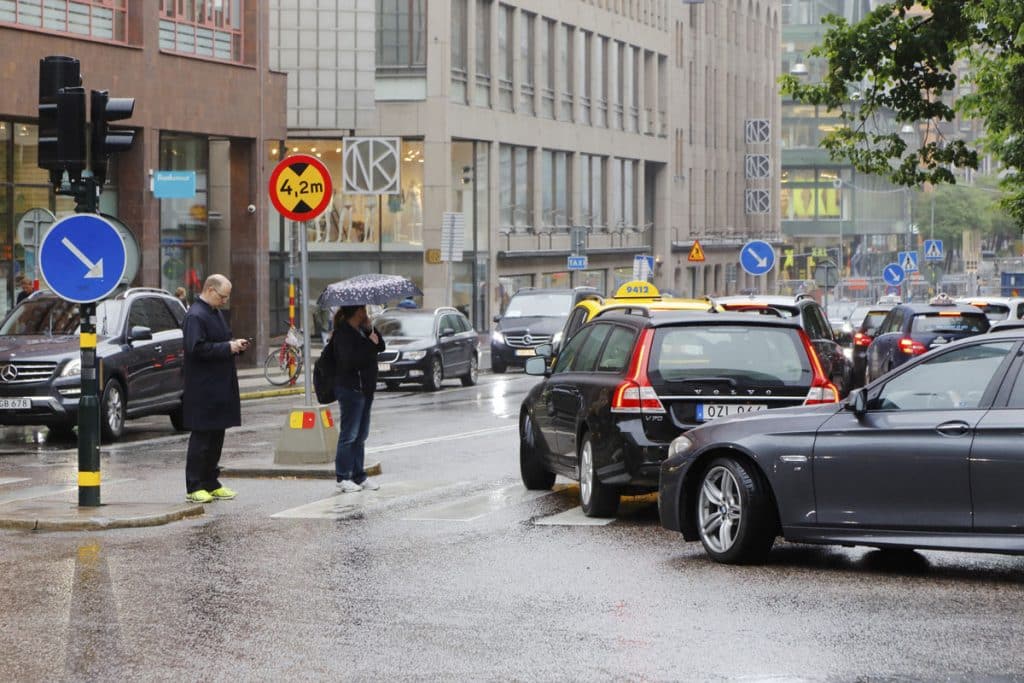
(50, 515)
(264, 467)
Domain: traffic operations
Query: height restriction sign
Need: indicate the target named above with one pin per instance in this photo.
(300, 187)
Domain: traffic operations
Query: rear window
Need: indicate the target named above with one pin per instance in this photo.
(872, 320)
(994, 312)
(952, 321)
(756, 355)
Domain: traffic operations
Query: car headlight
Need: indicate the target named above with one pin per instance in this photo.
(679, 445)
(497, 337)
(72, 368)
(413, 355)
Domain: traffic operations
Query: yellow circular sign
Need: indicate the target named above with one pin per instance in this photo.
(300, 187)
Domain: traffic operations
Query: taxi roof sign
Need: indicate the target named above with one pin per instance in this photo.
(637, 289)
(696, 252)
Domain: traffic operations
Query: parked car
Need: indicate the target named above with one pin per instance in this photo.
(927, 456)
(427, 347)
(913, 329)
(533, 317)
(139, 353)
(996, 308)
(862, 338)
(626, 384)
(838, 367)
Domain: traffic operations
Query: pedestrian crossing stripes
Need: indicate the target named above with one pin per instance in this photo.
(475, 507)
(342, 505)
(12, 480)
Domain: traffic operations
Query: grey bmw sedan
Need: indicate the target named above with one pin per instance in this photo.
(929, 456)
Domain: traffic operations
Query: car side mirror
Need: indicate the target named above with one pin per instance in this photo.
(140, 333)
(538, 366)
(497, 318)
(545, 350)
(858, 402)
(447, 332)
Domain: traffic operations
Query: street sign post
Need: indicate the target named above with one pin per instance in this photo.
(577, 263)
(933, 250)
(907, 261)
(643, 267)
(893, 274)
(757, 257)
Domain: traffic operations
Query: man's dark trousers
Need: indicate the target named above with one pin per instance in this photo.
(201, 463)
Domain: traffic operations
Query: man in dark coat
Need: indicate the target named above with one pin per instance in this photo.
(211, 400)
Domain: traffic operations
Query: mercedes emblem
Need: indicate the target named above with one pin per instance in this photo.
(9, 373)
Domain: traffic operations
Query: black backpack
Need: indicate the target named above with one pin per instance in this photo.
(324, 374)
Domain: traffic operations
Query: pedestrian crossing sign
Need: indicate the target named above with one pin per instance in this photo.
(696, 252)
(907, 261)
(933, 250)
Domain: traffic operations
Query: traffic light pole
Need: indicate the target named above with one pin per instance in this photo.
(89, 402)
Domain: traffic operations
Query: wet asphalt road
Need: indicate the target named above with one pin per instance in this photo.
(452, 572)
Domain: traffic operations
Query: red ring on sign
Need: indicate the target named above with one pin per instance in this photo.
(324, 173)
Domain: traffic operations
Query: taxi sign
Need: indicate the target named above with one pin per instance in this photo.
(637, 289)
(300, 187)
(696, 252)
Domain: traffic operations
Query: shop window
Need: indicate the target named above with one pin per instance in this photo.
(558, 280)
(201, 28)
(103, 19)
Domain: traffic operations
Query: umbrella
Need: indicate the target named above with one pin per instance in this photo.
(371, 288)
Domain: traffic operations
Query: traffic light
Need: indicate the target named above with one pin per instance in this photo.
(61, 118)
(106, 140)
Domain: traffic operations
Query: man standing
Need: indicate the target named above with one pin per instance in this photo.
(211, 399)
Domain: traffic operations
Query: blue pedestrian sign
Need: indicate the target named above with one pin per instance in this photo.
(933, 250)
(893, 274)
(577, 263)
(907, 260)
(643, 267)
(757, 257)
(82, 258)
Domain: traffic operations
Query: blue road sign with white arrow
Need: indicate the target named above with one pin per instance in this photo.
(933, 250)
(82, 258)
(757, 257)
(907, 261)
(893, 274)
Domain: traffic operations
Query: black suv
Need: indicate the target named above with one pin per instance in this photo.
(139, 353)
(625, 385)
(532, 318)
(426, 347)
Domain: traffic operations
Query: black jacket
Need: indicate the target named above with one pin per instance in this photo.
(211, 399)
(355, 358)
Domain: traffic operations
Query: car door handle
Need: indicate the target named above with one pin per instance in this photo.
(955, 428)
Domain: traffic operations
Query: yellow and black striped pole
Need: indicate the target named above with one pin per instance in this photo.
(88, 414)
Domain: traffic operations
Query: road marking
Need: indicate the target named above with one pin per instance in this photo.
(342, 505)
(573, 517)
(12, 480)
(475, 507)
(445, 437)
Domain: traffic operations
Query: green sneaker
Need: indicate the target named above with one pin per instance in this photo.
(223, 493)
(199, 496)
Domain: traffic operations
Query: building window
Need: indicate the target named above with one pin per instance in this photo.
(205, 29)
(482, 92)
(515, 175)
(104, 19)
(565, 61)
(601, 82)
(585, 68)
(623, 181)
(458, 52)
(547, 60)
(401, 35)
(506, 56)
(615, 86)
(811, 194)
(592, 191)
(527, 50)
(555, 183)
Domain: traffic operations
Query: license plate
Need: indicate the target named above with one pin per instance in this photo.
(15, 403)
(383, 367)
(710, 411)
(526, 352)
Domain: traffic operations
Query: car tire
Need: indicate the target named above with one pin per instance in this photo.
(596, 499)
(435, 375)
(63, 432)
(736, 496)
(178, 419)
(469, 379)
(392, 386)
(112, 411)
(498, 367)
(535, 477)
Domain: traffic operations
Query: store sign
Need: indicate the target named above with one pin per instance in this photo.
(372, 166)
(173, 184)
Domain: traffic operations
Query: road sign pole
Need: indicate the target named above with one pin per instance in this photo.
(88, 414)
(307, 376)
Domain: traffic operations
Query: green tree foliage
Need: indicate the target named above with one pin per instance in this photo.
(961, 207)
(897, 67)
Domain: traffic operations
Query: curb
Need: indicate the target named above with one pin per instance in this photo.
(69, 519)
(325, 471)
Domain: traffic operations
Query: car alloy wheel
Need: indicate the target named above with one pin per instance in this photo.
(112, 409)
(720, 509)
(535, 476)
(435, 375)
(586, 473)
(596, 498)
(470, 378)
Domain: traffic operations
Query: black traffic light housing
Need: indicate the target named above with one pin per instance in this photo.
(61, 118)
(106, 140)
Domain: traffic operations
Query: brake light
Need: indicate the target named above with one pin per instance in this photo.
(822, 390)
(861, 339)
(949, 314)
(635, 393)
(912, 347)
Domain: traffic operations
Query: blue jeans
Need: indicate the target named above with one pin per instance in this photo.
(354, 426)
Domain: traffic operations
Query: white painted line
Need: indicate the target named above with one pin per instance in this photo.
(12, 480)
(573, 517)
(445, 437)
(342, 505)
(475, 507)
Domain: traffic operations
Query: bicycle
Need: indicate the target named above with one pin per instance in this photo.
(284, 365)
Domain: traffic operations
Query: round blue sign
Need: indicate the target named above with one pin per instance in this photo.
(757, 257)
(893, 274)
(82, 258)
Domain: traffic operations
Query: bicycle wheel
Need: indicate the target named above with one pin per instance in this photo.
(280, 366)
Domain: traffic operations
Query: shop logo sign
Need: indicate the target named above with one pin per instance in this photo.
(371, 166)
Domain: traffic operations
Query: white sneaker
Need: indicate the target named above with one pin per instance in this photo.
(370, 485)
(347, 486)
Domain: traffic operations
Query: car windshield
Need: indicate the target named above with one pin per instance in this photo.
(55, 317)
(755, 355)
(539, 305)
(951, 321)
(407, 325)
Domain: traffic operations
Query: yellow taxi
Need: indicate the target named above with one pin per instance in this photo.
(632, 294)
